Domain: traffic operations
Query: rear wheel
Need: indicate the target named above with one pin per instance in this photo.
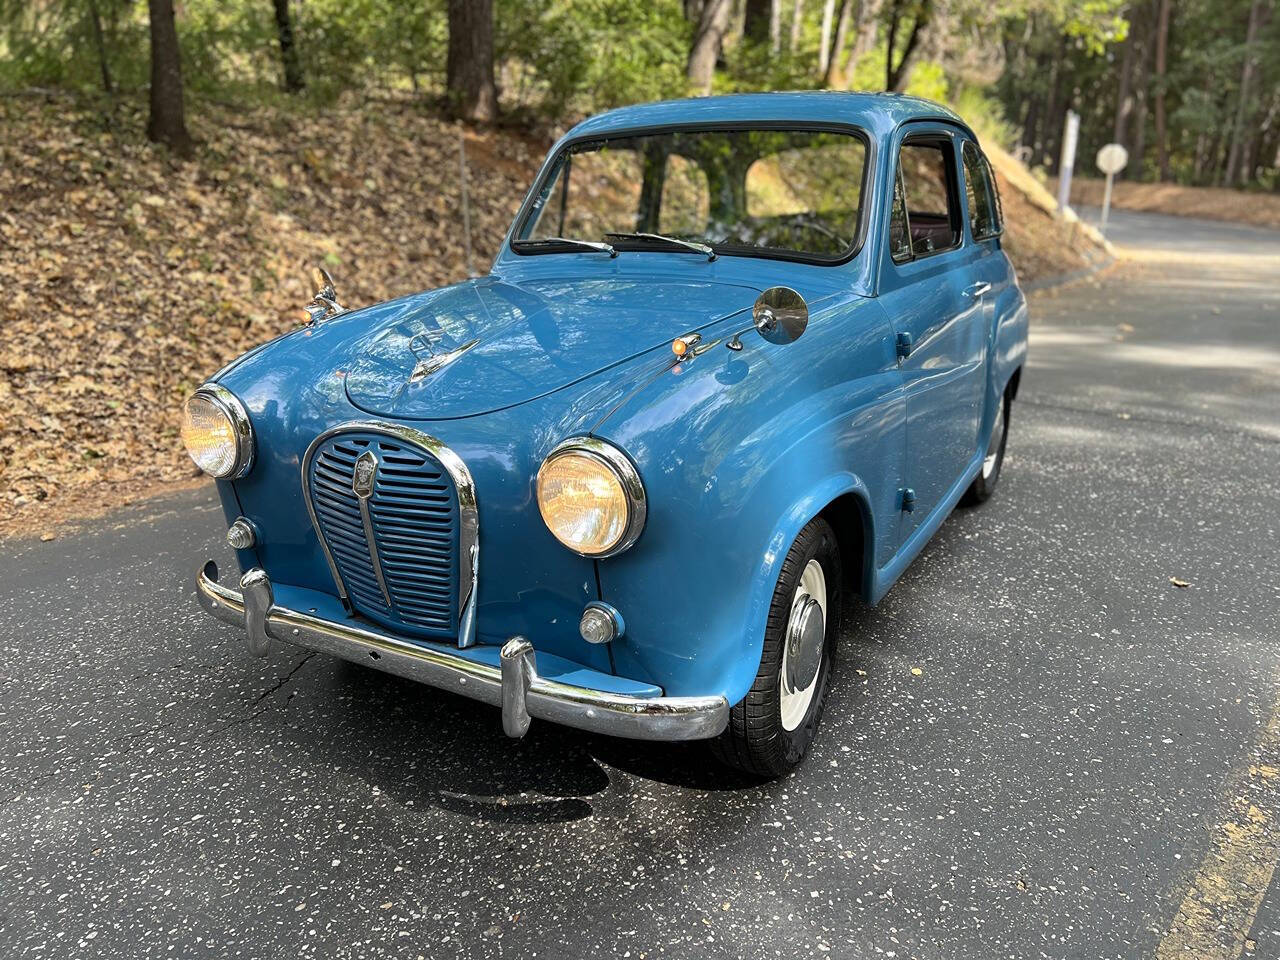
(984, 484)
(771, 729)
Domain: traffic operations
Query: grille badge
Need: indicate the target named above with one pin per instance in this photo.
(363, 475)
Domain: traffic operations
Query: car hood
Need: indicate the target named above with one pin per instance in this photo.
(488, 344)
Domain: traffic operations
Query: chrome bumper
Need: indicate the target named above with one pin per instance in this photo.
(514, 685)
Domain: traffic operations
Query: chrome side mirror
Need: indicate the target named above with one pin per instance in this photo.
(324, 302)
(780, 315)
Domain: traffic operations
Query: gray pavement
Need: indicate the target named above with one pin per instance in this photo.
(1087, 765)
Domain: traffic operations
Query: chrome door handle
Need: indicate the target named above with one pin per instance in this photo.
(977, 289)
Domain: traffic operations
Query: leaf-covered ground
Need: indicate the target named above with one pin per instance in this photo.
(126, 278)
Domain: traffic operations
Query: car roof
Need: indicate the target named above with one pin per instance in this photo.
(878, 113)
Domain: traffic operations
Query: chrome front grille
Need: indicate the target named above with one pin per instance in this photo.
(389, 515)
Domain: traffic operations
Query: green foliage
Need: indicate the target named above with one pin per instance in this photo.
(984, 113)
(928, 80)
(1011, 67)
(573, 56)
(1073, 55)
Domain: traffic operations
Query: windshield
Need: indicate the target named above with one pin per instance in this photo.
(762, 192)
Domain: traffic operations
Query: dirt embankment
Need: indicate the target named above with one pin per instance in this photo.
(1041, 244)
(1211, 203)
(128, 278)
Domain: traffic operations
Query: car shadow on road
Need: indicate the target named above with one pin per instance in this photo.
(426, 747)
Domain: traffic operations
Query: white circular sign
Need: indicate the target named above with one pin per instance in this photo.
(1112, 158)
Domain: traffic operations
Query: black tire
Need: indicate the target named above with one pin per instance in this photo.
(756, 741)
(984, 484)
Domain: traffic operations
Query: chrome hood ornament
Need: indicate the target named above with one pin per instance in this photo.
(429, 361)
(324, 304)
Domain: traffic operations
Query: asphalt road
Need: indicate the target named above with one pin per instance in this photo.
(1088, 764)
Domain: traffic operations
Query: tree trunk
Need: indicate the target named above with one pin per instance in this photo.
(1054, 112)
(755, 20)
(1137, 159)
(866, 25)
(775, 26)
(293, 81)
(895, 16)
(101, 45)
(1202, 148)
(1031, 121)
(167, 123)
(1124, 95)
(824, 47)
(473, 96)
(708, 39)
(1236, 156)
(797, 21)
(1162, 56)
(1031, 128)
(834, 78)
(896, 77)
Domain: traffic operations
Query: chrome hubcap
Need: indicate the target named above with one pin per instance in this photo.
(802, 648)
(993, 448)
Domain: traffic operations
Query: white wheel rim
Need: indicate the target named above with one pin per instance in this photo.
(993, 447)
(794, 704)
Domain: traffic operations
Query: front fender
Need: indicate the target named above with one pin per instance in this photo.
(738, 450)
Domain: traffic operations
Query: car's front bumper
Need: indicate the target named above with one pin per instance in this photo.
(512, 683)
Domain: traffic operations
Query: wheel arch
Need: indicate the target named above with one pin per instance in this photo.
(849, 515)
(1011, 387)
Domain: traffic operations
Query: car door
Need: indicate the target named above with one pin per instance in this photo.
(991, 269)
(935, 303)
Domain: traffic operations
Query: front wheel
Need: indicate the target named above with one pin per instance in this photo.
(771, 729)
(984, 484)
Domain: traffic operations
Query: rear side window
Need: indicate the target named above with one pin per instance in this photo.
(925, 218)
(980, 194)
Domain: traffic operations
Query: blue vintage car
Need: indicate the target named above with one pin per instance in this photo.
(737, 356)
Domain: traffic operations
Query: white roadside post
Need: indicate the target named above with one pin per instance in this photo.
(1067, 162)
(1111, 160)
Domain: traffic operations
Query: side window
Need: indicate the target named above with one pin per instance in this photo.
(686, 199)
(995, 194)
(979, 188)
(899, 230)
(930, 213)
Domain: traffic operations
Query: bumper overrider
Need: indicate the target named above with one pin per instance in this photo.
(513, 684)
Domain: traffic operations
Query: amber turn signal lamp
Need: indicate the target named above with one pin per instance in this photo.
(683, 346)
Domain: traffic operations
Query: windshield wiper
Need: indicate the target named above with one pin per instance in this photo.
(584, 244)
(691, 245)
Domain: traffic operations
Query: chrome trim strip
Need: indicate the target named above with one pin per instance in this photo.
(230, 404)
(372, 544)
(628, 476)
(640, 718)
(425, 367)
(468, 513)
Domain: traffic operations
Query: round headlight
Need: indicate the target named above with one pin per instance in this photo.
(591, 497)
(217, 433)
